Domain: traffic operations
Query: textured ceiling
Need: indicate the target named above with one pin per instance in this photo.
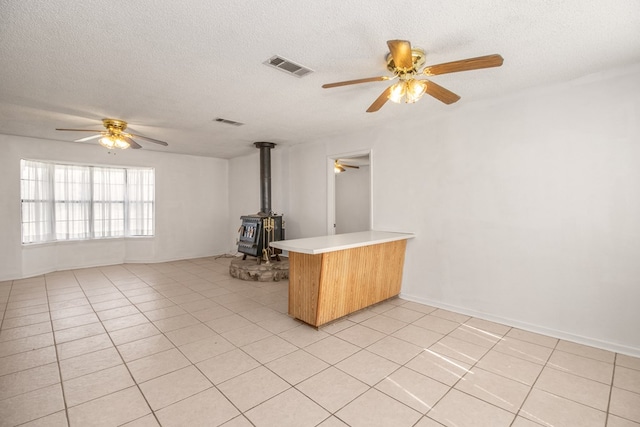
(170, 68)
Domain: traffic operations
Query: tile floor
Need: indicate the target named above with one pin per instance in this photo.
(183, 344)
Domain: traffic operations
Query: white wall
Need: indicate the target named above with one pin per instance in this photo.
(308, 168)
(353, 195)
(192, 215)
(525, 208)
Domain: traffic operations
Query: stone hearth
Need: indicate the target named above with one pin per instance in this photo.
(250, 270)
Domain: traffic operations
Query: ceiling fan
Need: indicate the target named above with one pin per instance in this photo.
(405, 63)
(115, 136)
(340, 167)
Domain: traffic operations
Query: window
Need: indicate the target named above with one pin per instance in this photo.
(73, 202)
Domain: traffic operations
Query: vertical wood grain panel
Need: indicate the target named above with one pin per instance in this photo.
(356, 278)
(304, 281)
(327, 286)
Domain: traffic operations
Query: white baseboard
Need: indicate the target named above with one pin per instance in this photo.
(97, 265)
(593, 342)
(36, 273)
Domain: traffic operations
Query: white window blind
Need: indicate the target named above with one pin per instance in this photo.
(72, 202)
(72, 198)
(36, 186)
(141, 196)
(109, 192)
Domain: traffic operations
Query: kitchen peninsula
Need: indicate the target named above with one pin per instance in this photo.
(332, 276)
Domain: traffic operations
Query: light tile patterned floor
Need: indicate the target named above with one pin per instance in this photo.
(183, 344)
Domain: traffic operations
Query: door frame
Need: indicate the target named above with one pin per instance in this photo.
(331, 186)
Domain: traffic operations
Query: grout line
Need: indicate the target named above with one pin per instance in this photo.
(613, 375)
(6, 306)
(118, 351)
(137, 384)
(55, 347)
(241, 413)
(536, 380)
(452, 387)
(179, 269)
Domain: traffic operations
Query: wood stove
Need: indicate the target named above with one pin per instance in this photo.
(257, 231)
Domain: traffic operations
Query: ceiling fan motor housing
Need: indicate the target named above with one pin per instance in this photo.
(418, 58)
(114, 125)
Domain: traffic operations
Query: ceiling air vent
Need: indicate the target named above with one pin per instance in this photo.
(229, 122)
(287, 66)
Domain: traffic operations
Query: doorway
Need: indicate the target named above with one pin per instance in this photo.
(349, 192)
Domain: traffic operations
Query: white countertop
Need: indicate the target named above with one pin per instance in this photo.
(338, 242)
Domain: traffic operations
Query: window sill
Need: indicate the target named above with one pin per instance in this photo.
(84, 241)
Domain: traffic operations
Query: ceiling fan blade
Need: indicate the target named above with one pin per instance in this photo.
(132, 143)
(487, 61)
(156, 141)
(353, 82)
(350, 166)
(88, 138)
(79, 130)
(440, 93)
(401, 53)
(380, 101)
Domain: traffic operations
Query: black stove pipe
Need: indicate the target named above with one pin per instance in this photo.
(265, 176)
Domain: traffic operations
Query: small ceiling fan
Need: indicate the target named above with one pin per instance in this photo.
(341, 167)
(405, 63)
(115, 136)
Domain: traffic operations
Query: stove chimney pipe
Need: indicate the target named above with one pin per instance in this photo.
(265, 176)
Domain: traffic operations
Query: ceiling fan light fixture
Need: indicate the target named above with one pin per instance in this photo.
(408, 91)
(112, 141)
(415, 90)
(121, 143)
(397, 92)
(107, 142)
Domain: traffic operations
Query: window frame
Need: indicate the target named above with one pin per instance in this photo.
(51, 235)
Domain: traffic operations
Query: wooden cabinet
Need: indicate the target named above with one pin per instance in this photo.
(338, 281)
